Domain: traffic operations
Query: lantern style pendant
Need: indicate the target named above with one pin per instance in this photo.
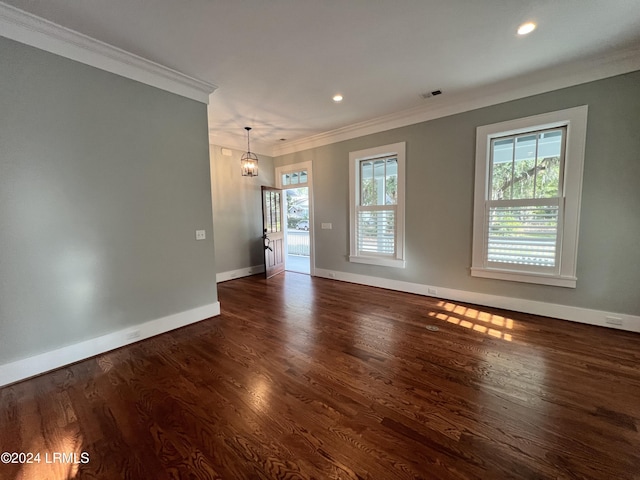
(249, 161)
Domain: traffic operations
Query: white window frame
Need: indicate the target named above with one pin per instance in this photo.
(575, 121)
(399, 151)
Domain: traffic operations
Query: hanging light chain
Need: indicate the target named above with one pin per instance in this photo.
(248, 147)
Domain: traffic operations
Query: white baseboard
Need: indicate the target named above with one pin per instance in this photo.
(241, 272)
(44, 362)
(600, 318)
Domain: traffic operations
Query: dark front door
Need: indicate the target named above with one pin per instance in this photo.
(272, 222)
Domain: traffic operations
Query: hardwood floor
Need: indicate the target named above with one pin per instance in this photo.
(310, 378)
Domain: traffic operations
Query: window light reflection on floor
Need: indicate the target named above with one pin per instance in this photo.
(49, 464)
(477, 320)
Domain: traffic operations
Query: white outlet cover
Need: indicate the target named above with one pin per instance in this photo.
(327, 226)
(201, 234)
(611, 320)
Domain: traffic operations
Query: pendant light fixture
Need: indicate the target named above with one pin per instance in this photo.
(249, 161)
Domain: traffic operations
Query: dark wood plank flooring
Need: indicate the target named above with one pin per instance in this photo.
(312, 378)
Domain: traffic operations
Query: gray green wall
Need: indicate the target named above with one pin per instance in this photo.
(103, 182)
(237, 210)
(439, 198)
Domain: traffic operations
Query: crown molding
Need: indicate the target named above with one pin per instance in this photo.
(35, 31)
(541, 81)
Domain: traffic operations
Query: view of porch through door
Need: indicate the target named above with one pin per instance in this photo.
(296, 183)
(297, 221)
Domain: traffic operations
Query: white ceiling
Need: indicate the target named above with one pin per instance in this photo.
(277, 63)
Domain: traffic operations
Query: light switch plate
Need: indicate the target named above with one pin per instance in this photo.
(201, 234)
(327, 226)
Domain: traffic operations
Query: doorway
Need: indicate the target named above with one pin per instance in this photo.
(297, 186)
(297, 242)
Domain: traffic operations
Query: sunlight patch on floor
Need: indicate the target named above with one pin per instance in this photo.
(476, 320)
(56, 460)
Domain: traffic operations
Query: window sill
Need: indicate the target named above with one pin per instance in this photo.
(380, 261)
(542, 279)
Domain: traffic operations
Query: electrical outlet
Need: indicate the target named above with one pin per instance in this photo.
(327, 226)
(613, 320)
(133, 335)
(432, 291)
(332, 275)
(201, 234)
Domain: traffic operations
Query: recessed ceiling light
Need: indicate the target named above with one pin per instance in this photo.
(337, 98)
(526, 28)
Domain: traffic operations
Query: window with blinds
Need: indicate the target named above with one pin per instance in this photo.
(377, 210)
(528, 184)
(524, 209)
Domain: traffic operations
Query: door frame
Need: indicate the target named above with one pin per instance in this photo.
(295, 167)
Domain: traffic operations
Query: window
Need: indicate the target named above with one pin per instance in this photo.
(294, 178)
(377, 205)
(527, 198)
